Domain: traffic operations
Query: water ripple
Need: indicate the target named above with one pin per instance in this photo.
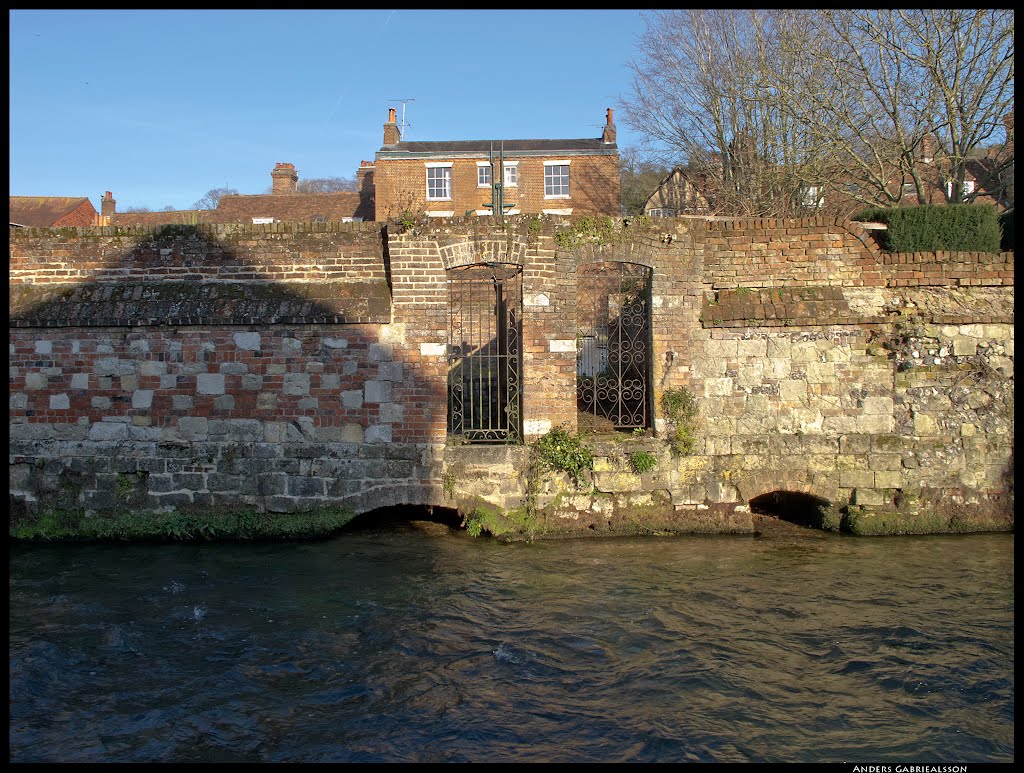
(403, 648)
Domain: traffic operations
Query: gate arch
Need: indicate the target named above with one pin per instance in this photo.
(484, 352)
(613, 337)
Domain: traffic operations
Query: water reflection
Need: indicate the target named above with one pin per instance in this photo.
(405, 644)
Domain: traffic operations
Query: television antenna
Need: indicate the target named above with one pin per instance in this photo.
(401, 132)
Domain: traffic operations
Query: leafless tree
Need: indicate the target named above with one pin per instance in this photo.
(213, 197)
(773, 104)
(638, 178)
(905, 95)
(327, 185)
(701, 93)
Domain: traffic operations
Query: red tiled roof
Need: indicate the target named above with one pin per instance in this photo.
(288, 207)
(179, 216)
(46, 211)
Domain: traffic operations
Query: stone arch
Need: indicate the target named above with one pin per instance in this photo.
(411, 494)
(642, 252)
(801, 508)
(757, 483)
(498, 249)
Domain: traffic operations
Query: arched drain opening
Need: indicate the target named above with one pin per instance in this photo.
(412, 518)
(788, 507)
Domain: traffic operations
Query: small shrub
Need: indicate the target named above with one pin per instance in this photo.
(681, 410)
(559, 449)
(642, 462)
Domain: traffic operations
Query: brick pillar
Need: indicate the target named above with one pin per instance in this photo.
(285, 178)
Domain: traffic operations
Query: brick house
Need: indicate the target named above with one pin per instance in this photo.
(52, 211)
(282, 204)
(454, 178)
(679, 193)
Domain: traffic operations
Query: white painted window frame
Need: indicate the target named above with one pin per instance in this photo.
(447, 178)
(485, 166)
(559, 163)
(510, 166)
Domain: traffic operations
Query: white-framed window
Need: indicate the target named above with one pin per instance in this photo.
(661, 212)
(556, 179)
(813, 196)
(439, 182)
(483, 174)
(968, 188)
(909, 189)
(262, 220)
(511, 174)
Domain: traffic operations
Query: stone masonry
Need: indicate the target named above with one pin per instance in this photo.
(290, 366)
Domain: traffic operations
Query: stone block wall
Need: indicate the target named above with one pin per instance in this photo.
(285, 367)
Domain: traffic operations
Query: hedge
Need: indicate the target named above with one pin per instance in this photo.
(935, 227)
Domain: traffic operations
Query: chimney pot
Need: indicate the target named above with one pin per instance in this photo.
(609, 114)
(392, 115)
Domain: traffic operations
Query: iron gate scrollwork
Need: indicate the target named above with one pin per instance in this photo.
(613, 344)
(484, 363)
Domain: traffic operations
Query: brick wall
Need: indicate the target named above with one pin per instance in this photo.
(286, 366)
(400, 185)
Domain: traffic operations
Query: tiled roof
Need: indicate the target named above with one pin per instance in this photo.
(510, 147)
(288, 207)
(240, 208)
(182, 216)
(44, 211)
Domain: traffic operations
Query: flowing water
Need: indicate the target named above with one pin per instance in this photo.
(413, 644)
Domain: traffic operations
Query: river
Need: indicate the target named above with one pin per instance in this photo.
(411, 642)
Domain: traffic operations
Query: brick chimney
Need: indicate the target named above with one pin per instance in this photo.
(285, 178)
(928, 147)
(609, 128)
(107, 205)
(391, 134)
(364, 175)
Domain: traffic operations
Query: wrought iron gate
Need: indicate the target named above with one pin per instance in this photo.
(484, 311)
(613, 343)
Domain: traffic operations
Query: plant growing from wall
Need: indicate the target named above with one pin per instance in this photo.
(559, 449)
(681, 410)
(642, 461)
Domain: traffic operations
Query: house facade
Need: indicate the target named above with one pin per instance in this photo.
(678, 194)
(456, 178)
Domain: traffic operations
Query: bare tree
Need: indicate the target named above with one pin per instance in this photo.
(772, 105)
(638, 178)
(701, 93)
(904, 96)
(327, 185)
(213, 197)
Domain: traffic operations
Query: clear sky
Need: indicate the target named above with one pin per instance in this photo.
(161, 106)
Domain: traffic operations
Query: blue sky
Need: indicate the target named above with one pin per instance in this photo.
(161, 106)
